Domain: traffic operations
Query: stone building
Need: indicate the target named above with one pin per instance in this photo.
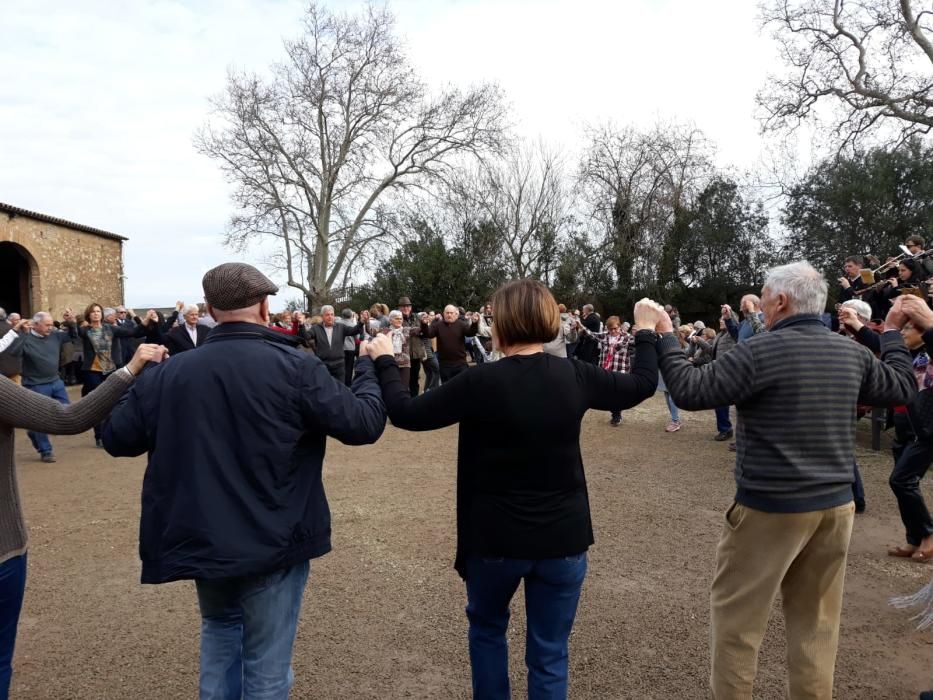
(49, 264)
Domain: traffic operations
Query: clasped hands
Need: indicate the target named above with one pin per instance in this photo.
(649, 315)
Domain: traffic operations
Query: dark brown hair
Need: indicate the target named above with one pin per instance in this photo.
(915, 240)
(526, 312)
(90, 308)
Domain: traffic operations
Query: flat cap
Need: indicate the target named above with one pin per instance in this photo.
(236, 286)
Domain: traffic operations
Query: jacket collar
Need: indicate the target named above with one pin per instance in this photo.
(248, 331)
(798, 319)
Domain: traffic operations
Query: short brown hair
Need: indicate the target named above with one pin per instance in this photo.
(526, 312)
(613, 322)
(915, 240)
(90, 308)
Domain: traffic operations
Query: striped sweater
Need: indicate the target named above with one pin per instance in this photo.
(22, 408)
(795, 390)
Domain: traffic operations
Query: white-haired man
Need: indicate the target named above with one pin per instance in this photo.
(187, 336)
(795, 389)
(329, 337)
(42, 349)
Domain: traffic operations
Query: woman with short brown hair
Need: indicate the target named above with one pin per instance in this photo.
(522, 506)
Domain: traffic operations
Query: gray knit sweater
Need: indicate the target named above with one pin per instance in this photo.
(795, 390)
(22, 408)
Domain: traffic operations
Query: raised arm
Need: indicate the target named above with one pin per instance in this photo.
(355, 416)
(728, 380)
(610, 391)
(430, 331)
(890, 380)
(26, 409)
(437, 408)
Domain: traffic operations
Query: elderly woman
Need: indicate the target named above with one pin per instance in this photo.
(615, 353)
(522, 506)
(22, 408)
(400, 336)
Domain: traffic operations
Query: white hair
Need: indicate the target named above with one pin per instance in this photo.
(395, 314)
(41, 316)
(326, 308)
(862, 309)
(109, 312)
(190, 308)
(804, 287)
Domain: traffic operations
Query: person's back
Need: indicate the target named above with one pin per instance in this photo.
(232, 495)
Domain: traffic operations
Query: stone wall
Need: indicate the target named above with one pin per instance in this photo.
(71, 268)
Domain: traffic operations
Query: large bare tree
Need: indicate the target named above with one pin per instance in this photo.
(869, 61)
(636, 184)
(523, 198)
(339, 126)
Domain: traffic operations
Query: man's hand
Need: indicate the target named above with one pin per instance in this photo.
(379, 346)
(726, 311)
(849, 318)
(22, 324)
(844, 282)
(299, 317)
(179, 305)
(147, 352)
(896, 318)
(647, 314)
(917, 311)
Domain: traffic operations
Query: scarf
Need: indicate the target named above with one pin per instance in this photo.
(102, 342)
(396, 335)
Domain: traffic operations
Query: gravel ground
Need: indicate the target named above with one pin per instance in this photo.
(383, 613)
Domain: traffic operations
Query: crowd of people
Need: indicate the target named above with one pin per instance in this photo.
(517, 375)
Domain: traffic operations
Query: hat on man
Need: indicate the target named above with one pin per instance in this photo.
(404, 301)
(236, 286)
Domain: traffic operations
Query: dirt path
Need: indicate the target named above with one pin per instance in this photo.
(383, 613)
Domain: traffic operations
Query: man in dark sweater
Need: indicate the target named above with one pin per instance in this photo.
(451, 334)
(795, 389)
(328, 342)
(42, 349)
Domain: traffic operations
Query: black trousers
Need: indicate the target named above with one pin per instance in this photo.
(349, 359)
(337, 370)
(448, 372)
(413, 385)
(431, 374)
(912, 459)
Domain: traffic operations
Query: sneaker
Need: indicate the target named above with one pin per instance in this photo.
(723, 436)
(48, 458)
(672, 427)
(731, 447)
(99, 443)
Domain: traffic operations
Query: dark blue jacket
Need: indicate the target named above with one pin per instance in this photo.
(235, 433)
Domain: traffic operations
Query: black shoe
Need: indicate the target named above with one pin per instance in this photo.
(723, 436)
(926, 695)
(48, 458)
(100, 443)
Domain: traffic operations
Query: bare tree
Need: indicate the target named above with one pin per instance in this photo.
(342, 124)
(523, 197)
(635, 184)
(869, 61)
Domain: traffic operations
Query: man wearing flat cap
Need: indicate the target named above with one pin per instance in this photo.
(241, 509)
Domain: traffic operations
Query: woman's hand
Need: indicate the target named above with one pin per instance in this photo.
(917, 311)
(146, 352)
(380, 346)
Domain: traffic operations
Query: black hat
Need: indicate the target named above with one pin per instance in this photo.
(404, 301)
(236, 286)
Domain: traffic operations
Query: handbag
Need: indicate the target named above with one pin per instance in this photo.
(920, 414)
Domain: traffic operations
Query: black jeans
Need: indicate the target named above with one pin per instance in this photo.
(413, 385)
(92, 380)
(448, 372)
(431, 374)
(912, 459)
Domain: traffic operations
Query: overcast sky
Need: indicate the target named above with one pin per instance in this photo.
(101, 98)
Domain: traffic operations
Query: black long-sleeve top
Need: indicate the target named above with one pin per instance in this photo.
(521, 491)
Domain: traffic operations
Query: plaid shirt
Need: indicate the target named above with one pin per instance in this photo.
(615, 353)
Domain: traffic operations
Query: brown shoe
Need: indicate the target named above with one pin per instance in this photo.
(731, 447)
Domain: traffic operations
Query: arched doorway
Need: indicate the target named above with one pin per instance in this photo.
(16, 270)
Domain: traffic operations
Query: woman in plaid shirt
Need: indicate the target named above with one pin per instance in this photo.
(616, 348)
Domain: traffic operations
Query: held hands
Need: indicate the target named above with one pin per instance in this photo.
(849, 319)
(649, 314)
(917, 311)
(24, 324)
(726, 311)
(147, 352)
(896, 318)
(379, 346)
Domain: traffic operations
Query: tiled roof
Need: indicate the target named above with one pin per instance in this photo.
(17, 211)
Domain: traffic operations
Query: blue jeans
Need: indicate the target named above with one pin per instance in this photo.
(723, 424)
(12, 588)
(248, 629)
(54, 390)
(672, 407)
(552, 590)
